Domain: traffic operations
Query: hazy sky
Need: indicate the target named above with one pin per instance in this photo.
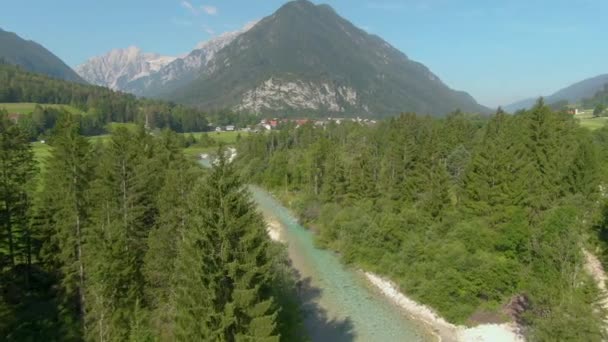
(497, 50)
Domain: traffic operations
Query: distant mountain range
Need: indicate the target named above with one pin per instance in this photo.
(303, 59)
(573, 93)
(119, 67)
(149, 74)
(33, 57)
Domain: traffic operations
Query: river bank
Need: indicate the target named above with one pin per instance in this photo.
(436, 327)
(337, 301)
(507, 332)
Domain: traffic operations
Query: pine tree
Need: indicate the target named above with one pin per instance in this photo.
(139, 329)
(395, 162)
(583, 174)
(17, 169)
(315, 158)
(125, 188)
(498, 173)
(363, 173)
(224, 267)
(542, 141)
(335, 185)
(162, 242)
(428, 181)
(66, 207)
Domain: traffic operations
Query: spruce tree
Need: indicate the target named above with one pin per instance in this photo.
(542, 141)
(17, 170)
(66, 207)
(315, 158)
(127, 180)
(583, 174)
(395, 161)
(335, 185)
(173, 217)
(224, 265)
(498, 173)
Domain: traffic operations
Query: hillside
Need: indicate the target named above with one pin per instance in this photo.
(573, 93)
(34, 57)
(20, 90)
(491, 234)
(307, 59)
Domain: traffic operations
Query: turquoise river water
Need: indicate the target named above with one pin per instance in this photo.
(339, 304)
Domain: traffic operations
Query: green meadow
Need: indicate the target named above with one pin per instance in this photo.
(588, 121)
(27, 108)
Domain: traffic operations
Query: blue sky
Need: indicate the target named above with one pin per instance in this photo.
(497, 50)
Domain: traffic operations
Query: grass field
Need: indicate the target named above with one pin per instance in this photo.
(228, 138)
(588, 121)
(99, 138)
(26, 108)
(194, 152)
(114, 125)
(41, 151)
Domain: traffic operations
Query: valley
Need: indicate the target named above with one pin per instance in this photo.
(295, 171)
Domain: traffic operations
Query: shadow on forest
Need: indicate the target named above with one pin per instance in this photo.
(30, 309)
(318, 325)
(602, 232)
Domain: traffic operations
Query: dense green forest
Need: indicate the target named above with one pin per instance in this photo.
(466, 214)
(127, 240)
(101, 106)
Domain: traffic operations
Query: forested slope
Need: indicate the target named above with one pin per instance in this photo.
(34, 57)
(99, 105)
(130, 241)
(468, 215)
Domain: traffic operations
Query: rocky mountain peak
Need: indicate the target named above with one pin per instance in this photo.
(121, 66)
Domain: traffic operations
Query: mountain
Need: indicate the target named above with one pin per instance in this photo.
(307, 59)
(573, 94)
(34, 57)
(149, 74)
(119, 67)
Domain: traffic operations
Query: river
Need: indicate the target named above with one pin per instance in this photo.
(339, 304)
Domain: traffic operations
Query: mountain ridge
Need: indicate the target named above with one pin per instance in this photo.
(306, 58)
(175, 72)
(118, 67)
(302, 59)
(572, 93)
(34, 57)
